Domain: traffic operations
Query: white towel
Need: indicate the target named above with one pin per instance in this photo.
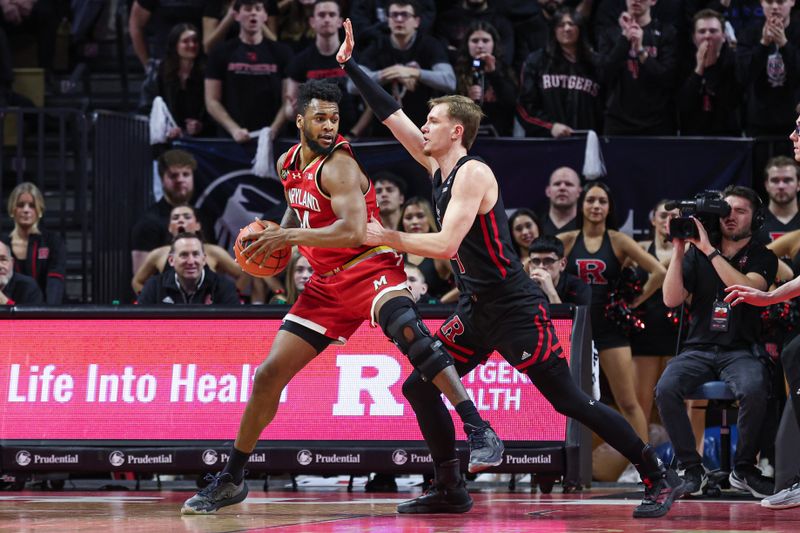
(264, 162)
(593, 165)
(161, 121)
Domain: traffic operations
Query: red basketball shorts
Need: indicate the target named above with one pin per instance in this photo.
(336, 305)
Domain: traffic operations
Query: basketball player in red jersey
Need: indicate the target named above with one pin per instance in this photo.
(500, 307)
(329, 201)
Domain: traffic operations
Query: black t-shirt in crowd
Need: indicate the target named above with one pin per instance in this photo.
(251, 77)
(701, 280)
(548, 227)
(310, 64)
(151, 230)
(572, 290)
(424, 53)
(774, 228)
(164, 14)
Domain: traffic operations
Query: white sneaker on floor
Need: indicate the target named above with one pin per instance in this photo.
(785, 499)
(630, 475)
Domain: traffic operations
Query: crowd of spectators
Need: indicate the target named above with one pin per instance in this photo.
(538, 69)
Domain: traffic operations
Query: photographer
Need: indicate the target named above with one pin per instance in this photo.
(482, 75)
(546, 266)
(719, 343)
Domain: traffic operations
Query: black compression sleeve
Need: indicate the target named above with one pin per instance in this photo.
(381, 102)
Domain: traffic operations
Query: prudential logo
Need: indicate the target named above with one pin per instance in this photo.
(23, 458)
(305, 457)
(116, 458)
(400, 457)
(210, 457)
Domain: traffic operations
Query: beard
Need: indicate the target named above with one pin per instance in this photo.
(4, 280)
(737, 235)
(315, 146)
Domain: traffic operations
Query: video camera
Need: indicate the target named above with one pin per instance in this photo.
(708, 207)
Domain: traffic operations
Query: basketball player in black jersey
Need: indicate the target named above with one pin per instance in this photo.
(500, 307)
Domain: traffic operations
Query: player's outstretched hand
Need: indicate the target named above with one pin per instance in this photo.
(346, 50)
(375, 233)
(742, 294)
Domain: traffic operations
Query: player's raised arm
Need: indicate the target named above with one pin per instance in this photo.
(465, 202)
(386, 108)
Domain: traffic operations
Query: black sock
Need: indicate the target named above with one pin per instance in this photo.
(649, 465)
(469, 414)
(236, 464)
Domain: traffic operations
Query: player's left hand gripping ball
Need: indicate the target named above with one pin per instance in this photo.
(260, 249)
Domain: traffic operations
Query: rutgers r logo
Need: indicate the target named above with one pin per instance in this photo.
(591, 271)
(452, 329)
(378, 283)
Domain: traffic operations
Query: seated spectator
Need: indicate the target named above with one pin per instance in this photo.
(769, 61)
(559, 85)
(562, 191)
(416, 216)
(295, 30)
(318, 61)
(370, 19)
(452, 26)
(179, 81)
(183, 219)
(638, 61)
(390, 194)
(176, 168)
(37, 253)
(417, 285)
(708, 100)
(151, 21)
(16, 288)
(219, 23)
(414, 66)
(783, 211)
(546, 264)
(246, 77)
(482, 75)
(298, 273)
(720, 339)
(523, 225)
(188, 281)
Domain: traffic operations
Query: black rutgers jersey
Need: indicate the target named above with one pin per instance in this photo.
(486, 256)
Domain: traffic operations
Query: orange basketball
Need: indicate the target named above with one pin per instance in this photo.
(273, 265)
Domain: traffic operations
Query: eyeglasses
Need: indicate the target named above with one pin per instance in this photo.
(543, 261)
(400, 15)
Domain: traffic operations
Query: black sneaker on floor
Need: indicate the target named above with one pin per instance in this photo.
(221, 491)
(381, 483)
(447, 494)
(750, 478)
(485, 447)
(696, 479)
(659, 494)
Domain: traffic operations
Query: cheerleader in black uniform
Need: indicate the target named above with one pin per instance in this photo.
(654, 346)
(596, 253)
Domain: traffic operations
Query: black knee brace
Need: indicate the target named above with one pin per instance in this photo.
(401, 322)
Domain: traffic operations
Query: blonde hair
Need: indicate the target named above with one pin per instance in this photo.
(36, 194)
(464, 111)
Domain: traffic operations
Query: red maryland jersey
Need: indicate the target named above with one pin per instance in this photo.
(313, 207)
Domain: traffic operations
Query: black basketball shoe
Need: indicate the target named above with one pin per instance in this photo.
(485, 447)
(448, 494)
(221, 491)
(660, 491)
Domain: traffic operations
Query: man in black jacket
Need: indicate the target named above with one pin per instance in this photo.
(188, 281)
(16, 289)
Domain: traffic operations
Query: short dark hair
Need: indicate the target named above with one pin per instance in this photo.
(744, 192)
(708, 14)
(387, 175)
(780, 161)
(175, 158)
(237, 5)
(547, 244)
(317, 2)
(402, 3)
(185, 235)
(319, 89)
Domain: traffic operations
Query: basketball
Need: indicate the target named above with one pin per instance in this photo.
(273, 265)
